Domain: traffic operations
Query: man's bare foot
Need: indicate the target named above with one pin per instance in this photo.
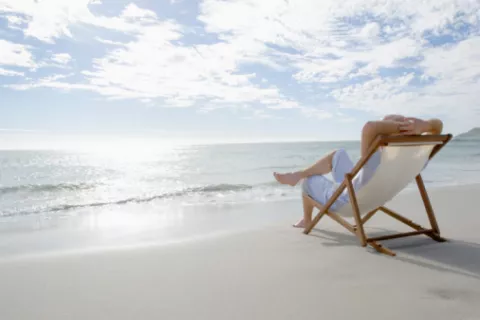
(300, 224)
(288, 178)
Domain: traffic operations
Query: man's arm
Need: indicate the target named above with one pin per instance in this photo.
(374, 128)
(410, 126)
(431, 126)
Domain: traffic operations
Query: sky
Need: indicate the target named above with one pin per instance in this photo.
(238, 70)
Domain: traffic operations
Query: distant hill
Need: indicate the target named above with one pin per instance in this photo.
(473, 134)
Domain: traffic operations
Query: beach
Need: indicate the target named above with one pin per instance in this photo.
(156, 159)
(265, 271)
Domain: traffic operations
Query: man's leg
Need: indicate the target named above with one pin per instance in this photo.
(339, 164)
(307, 214)
(322, 166)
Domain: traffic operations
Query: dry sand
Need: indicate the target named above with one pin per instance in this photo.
(273, 273)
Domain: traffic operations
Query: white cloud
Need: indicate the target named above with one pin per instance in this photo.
(340, 41)
(371, 30)
(61, 58)
(55, 77)
(132, 11)
(109, 42)
(452, 94)
(10, 73)
(50, 82)
(371, 55)
(48, 20)
(152, 67)
(456, 70)
(460, 62)
(14, 54)
(379, 95)
(15, 21)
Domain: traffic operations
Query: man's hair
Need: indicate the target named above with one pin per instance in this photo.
(394, 117)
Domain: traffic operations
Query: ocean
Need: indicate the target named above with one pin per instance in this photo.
(53, 183)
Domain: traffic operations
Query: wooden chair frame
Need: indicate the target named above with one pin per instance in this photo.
(358, 229)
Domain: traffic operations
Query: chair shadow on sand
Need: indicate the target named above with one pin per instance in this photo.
(454, 256)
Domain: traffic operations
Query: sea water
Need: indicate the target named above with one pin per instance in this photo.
(50, 183)
(66, 200)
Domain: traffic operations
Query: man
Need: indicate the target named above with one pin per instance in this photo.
(339, 163)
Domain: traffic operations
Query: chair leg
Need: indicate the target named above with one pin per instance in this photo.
(411, 224)
(310, 202)
(356, 212)
(428, 205)
(342, 222)
(369, 215)
(382, 249)
(325, 207)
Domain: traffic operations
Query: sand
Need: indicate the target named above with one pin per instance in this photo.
(275, 272)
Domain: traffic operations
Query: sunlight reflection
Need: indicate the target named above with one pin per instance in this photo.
(129, 149)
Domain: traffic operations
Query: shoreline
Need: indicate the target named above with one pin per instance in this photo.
(114, 230)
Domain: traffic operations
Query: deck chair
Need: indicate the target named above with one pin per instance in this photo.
(402, 160)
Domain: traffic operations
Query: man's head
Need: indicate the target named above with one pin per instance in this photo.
(395, 117)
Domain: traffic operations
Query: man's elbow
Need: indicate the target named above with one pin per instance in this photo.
(436, 125)
(369, 129)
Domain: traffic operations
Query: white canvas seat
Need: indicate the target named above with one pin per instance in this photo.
(399, 165)
(402, 160)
